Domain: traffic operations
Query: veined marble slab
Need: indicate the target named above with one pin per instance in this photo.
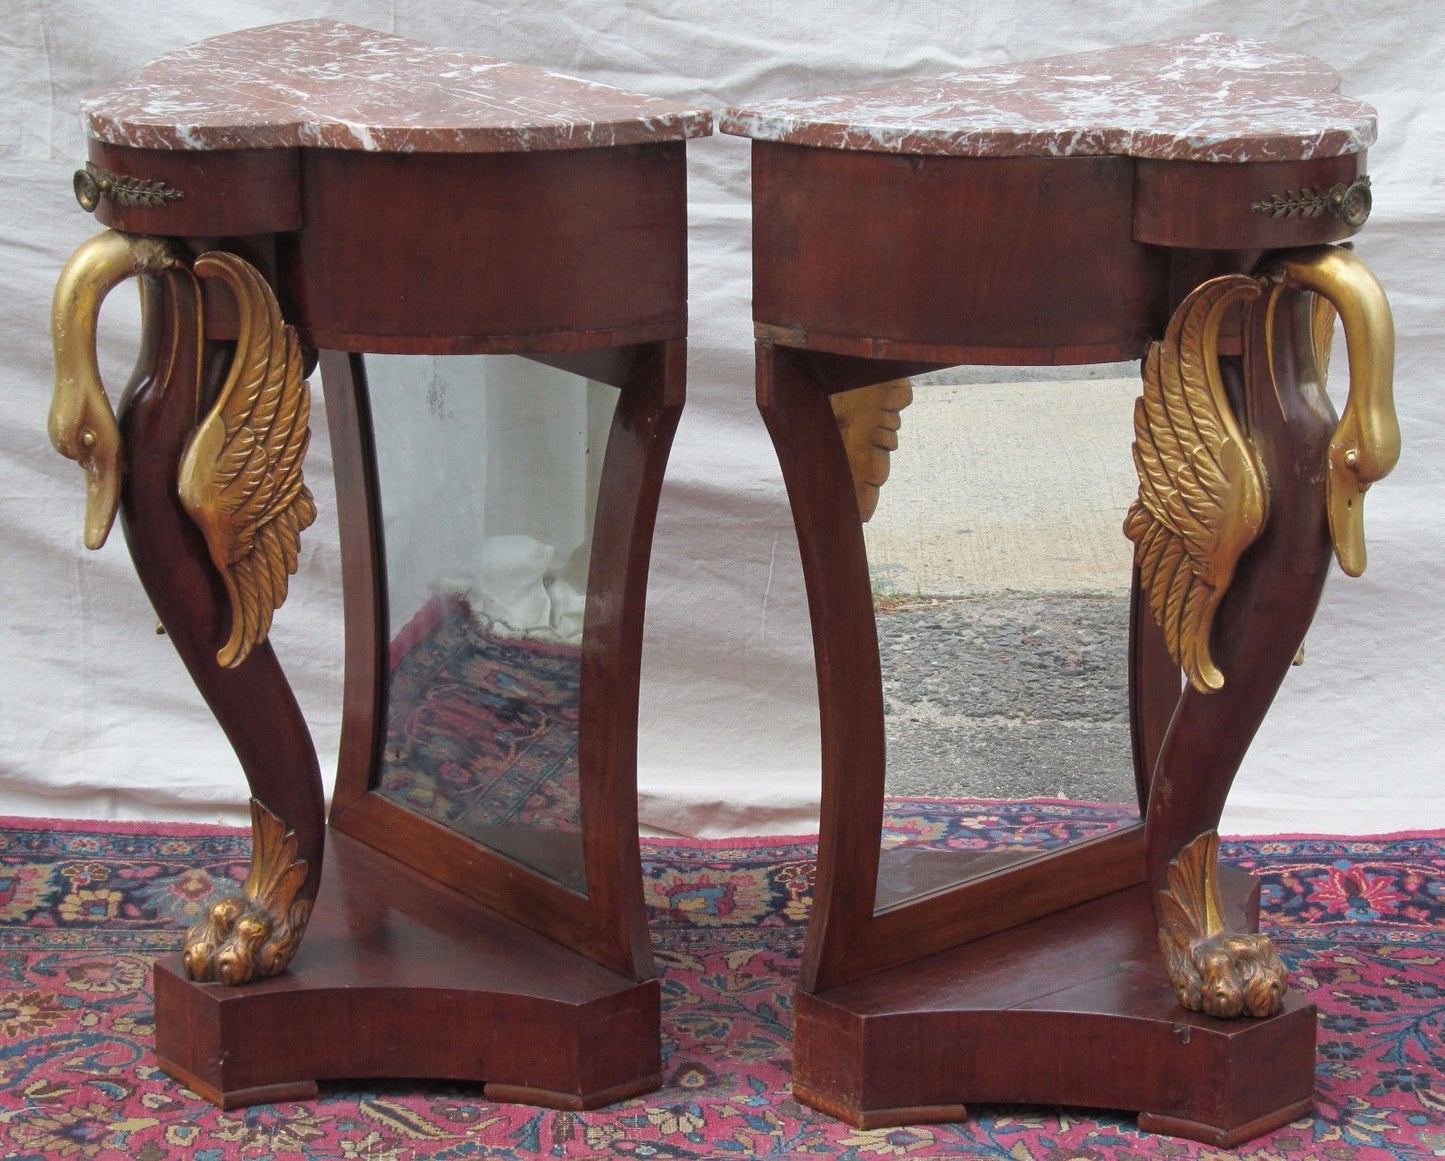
(334, 86)
(1210, 98)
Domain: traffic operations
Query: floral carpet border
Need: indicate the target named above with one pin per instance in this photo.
(1360, 922)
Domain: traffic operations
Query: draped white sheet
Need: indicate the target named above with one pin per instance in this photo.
(99, 719)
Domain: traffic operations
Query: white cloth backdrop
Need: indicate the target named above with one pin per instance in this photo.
(98, 719)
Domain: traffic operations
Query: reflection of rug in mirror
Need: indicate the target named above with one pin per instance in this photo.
(931, 843)
(1023, 825)
(481, 729)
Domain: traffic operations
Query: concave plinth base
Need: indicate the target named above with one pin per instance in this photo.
(1072, 1009)
(401, 977)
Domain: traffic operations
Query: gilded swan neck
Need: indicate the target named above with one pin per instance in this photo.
(82, 423)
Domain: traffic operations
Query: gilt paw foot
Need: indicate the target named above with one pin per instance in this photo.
(254, 934)
(239, 941)
(1227, 974)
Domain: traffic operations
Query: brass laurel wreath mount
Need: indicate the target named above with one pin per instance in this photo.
(93, 183)
(240, 480)
(1351, 203)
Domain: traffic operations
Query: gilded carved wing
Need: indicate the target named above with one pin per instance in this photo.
(1201, 492)
(868, 419)
(240, 476)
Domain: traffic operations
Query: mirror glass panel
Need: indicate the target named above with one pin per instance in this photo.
(1000, 578)
(488, 470)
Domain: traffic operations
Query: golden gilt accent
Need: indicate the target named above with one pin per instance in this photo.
(1213, 969)
(1322, 335)
(82, 424)
(1201, 491)
(93, 183)
(1366, 443)
(868, 419)
(240, 475)
(254, 934)
(1351, 202)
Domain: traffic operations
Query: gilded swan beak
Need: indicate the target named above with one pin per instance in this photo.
(82, 425)
(1366, 443)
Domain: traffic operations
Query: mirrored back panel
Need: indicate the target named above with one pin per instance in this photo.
(488, 469)
(993, 520)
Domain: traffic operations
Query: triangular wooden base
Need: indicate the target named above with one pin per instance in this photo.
(402, 977)
(1071, 1009)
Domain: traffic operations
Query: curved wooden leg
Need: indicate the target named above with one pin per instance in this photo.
(1153, 689)
(804, 429)
(251, 934)
(1257, 631)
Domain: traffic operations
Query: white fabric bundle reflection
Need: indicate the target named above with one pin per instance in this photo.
(488, 469)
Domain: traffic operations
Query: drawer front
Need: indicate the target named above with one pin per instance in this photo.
(1262, 205)
(191, 193)
(560, 249)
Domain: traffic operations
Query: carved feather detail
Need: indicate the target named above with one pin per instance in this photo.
(1201, 491)
(240, 477)
(276, 873)
(1191, 905)
(868, 419)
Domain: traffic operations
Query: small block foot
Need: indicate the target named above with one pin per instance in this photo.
(879, 1118)
(239, 1098)
(1224, 1138)
(571, 1101)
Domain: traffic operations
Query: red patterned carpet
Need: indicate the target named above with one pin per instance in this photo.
(84, 907)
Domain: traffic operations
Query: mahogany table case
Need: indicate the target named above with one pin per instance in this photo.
(312, 192)
(1178, 203)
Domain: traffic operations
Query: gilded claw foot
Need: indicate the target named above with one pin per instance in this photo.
(1213, 969)
(238, 941)
(254, 934)
(1226, 975)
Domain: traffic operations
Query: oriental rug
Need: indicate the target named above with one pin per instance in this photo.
(85, 906)
(481, 726)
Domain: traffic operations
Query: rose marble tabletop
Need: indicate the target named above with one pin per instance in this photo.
(334, 86)
(1212, 98)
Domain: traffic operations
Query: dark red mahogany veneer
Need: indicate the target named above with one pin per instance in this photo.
(408, 199)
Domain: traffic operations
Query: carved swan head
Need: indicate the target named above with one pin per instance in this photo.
(82, 424)
(1366, 442)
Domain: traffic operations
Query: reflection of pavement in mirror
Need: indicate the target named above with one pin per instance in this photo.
(482, 735)
(1001, 574)
(1007, 487)
(1011, 696)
